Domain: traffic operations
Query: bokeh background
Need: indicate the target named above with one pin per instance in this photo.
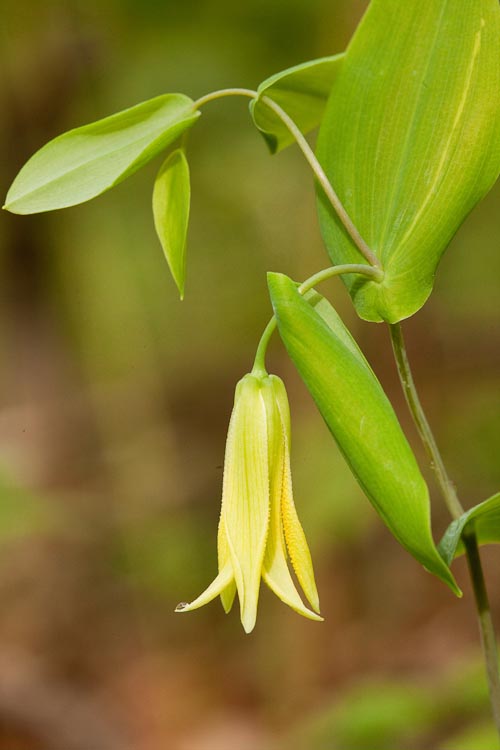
(115, 399)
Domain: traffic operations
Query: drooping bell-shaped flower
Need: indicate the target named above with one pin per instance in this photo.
(259, 526)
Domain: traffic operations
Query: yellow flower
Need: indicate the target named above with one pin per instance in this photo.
(258, 523)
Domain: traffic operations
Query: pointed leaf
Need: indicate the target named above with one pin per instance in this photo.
(360, 418)
(411, 141)
(483, 518)
(302, 91)
(171, 200)
(87, 161)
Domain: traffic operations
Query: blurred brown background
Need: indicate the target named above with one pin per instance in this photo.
(115, 399)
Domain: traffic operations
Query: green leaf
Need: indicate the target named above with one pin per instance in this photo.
(87, 161)
(302, 91)
(483, 518)
(411, 141)
(171, 200)
(360, 418)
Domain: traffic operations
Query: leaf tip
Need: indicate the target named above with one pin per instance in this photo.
(273, 276)
(271, 141)
(10, 206)
(180, 283)
(454, 586)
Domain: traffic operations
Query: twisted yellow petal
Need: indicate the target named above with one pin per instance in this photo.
(296, 543)
(275, 569)
(216, 587)
(258, 521)
(295, 538)
(224, 557)
(245, 494)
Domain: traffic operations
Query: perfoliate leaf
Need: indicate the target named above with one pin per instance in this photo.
(411, 141)
(302, 91)
(484, 518)
(171, 200)
(360, 418)
(85, 162)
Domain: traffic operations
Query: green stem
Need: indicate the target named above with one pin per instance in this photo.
(375, 274)
(222, 93)
(486, 629)
(313, 162)
(259, 366)
(488, 637)
(405, 375)
(325, 183)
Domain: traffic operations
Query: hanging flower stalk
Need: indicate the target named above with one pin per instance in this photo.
(259, 525)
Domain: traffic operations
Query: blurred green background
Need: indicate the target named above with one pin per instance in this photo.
(115, 399)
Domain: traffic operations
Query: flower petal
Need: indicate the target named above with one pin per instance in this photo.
(275, 569)
(277, 576)
(296, 542)
(245, 494)
(216, 587)
(224, 555)
(279, 580)
(281, 398)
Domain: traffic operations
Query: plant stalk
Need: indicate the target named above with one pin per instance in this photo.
(406, 377)
(375, 274)
(486, 628)
(222, 93)
(310, 156)
(325, 183)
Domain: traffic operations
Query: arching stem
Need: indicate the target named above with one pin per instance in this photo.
(412, 399)
(375, 274)
(223, 93)
(313, 162)
(325, 183)
(486, 628)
